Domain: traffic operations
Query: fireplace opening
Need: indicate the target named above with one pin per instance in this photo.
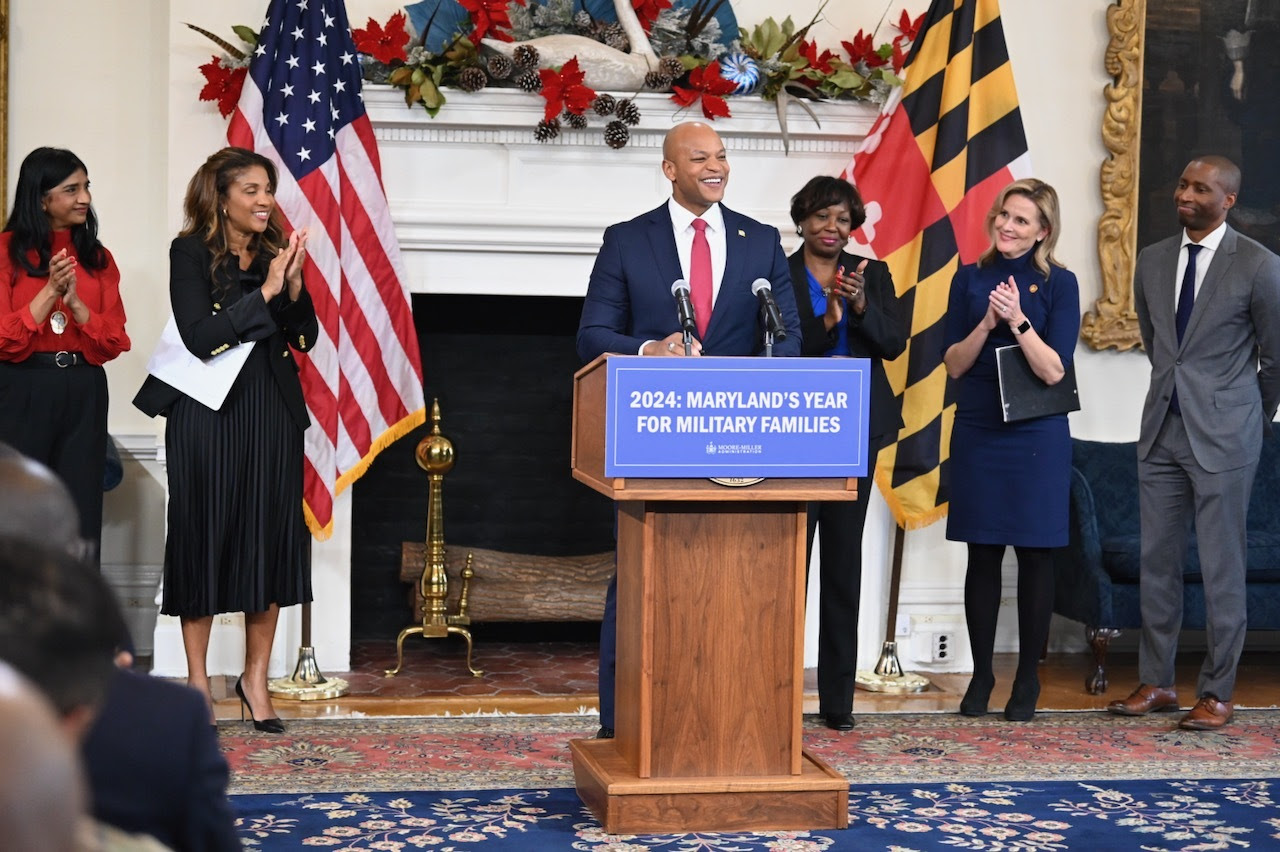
(502, 368)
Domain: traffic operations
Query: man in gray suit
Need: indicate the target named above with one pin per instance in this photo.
(1208, 304)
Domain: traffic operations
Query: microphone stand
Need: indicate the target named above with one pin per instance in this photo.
(768, 343)
(688, 343)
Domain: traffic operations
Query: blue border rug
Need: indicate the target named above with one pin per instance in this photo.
(1148, 815)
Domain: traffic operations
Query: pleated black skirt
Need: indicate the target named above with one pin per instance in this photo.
(237, 539)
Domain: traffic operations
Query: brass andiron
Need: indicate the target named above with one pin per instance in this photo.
(435, 456)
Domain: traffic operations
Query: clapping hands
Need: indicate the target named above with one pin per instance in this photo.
(1005, 302)
(286, 268)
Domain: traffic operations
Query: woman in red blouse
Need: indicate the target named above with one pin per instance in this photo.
(61, 319)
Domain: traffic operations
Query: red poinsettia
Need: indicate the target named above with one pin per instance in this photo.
(817, 61)
(489, 19)
(563, 89)
(707, 84)
(222, 84)
(899, 58)
(907, 28)
(863, 49)
(648, 10)
(383, 43)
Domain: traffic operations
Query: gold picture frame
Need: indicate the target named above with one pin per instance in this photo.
(1113, 321)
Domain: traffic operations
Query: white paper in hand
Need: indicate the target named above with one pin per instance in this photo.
(207, 380)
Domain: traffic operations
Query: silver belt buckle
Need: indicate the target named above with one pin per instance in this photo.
(71, 359)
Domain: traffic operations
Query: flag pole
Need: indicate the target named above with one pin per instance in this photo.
(307, 682)
(888, 675)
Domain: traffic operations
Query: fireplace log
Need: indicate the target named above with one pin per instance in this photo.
(517, 586)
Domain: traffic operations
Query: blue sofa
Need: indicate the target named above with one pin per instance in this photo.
(1096, 579)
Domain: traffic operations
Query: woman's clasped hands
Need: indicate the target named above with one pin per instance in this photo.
(1004, 305)
(286, 268)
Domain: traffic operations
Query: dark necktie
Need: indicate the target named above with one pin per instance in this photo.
(1187, 296)
(700, 277)
(1186, 300)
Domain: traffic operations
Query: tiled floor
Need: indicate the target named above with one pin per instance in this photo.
(560, 677)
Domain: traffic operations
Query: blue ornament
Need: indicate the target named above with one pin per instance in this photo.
(742, 71)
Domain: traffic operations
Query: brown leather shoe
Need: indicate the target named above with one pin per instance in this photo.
(1209, 714)
(1146, 699)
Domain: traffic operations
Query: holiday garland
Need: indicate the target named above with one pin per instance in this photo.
(777, 62)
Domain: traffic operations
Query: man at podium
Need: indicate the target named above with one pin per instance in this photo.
(716, 260)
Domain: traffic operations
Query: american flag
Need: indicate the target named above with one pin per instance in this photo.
(301, 107)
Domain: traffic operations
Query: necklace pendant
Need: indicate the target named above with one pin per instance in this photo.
(58, 322)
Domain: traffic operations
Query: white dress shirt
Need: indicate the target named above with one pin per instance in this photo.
(1208, 248)
(682, 225)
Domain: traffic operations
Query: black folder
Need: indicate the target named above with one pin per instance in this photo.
(1022, 393)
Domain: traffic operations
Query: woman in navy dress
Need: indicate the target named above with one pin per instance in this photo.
(1010, 481)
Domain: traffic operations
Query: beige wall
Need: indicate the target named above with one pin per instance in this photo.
(117, 83)
(132, 115)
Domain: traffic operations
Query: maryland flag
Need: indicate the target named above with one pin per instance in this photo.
(941, 150)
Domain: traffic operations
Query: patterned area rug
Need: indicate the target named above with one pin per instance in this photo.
(1064, 781)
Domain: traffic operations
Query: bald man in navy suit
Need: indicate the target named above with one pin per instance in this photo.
(629, 307)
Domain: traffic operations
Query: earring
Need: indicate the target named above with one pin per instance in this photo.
(799, 231)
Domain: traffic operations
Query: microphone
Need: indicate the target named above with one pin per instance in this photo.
(763, 291)
(680, 289)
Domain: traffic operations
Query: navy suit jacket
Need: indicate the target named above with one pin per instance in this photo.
(155, 768)
(629, 297)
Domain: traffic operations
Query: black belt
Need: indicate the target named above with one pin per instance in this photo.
(53, 359)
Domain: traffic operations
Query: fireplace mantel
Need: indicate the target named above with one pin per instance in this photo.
(480, 207)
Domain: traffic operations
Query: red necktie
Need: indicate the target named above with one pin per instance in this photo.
(700, 277)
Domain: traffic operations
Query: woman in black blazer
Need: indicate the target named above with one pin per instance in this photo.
(237, 536)
(848, 308)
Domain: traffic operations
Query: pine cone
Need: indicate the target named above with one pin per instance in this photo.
(616, 37)
(472, 79)
(525, 57)
(657, 81)
(672, 67)
(628, 112)
(616, 134)
(603, 105)
(576, 120)
(583, 20)
(529, 81)
(500, 67)
(547, 130)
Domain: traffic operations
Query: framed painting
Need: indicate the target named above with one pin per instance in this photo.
(1189, 77)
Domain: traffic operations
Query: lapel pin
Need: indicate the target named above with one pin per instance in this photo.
(1035, 287)
(741, 233)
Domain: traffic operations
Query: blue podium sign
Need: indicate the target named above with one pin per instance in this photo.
(739, 417)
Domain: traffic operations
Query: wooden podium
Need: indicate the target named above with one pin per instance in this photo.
(711, 593)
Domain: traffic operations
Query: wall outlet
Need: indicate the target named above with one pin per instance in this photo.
(941, 647)
(903, 625)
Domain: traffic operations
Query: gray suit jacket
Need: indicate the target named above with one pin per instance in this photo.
(1227, 368)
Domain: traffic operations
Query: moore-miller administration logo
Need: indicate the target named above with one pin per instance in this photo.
(711, 448)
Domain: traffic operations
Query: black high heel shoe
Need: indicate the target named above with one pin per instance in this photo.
(977, 697)
(1022, 700)
(267, 726)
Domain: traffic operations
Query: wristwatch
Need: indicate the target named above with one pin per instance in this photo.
(1024, 327)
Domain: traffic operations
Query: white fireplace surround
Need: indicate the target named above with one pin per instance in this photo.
(481, 208)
